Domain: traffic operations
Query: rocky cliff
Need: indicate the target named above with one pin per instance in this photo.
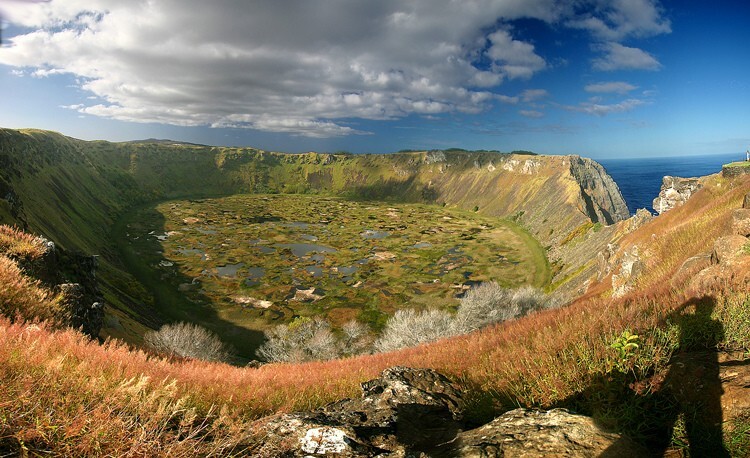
(675, 191)
(55, 285)
(599, 192)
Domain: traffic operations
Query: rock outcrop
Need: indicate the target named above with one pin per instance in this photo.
(631, 267)
(533, 433)
(418, 412)
(735, 169)
(741, 222)
(675, 191)
(74, 276)
(602, 198)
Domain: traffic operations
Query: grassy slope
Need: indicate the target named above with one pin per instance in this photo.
(118, 399)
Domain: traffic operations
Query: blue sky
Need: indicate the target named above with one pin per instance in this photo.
(604, 79)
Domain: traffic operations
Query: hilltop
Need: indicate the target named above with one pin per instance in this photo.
(657, 304)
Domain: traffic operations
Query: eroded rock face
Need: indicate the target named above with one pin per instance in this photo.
(603, 200)
(631, 267)
(675, 191)
(417, 412)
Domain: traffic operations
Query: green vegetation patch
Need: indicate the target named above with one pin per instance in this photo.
(738, 164)
(252, 261)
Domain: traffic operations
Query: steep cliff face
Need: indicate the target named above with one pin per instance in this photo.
(603, 200)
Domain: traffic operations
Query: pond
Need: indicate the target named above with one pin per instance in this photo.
(370, 259)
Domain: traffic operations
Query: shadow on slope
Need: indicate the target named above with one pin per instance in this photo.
(679, 408)
(163, 285)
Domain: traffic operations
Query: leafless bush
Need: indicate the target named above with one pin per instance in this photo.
(410, 327)
(188, 340)
(483, 305)
(304, 339)
(356, 338)
(489, 303)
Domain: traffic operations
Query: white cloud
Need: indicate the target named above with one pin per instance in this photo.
(616, 20)
(619, 87)
(531, 95)
(620, 57)
(598, 109)
(531, 113)
(307, 69)
(266, 66)
(513, 58)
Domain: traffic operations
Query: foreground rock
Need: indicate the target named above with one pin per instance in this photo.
(741, 222)
(418, 412)
(533, 433)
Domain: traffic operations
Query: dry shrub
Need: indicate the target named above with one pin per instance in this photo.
(489, 303)
(483, 305)
(189, 341)
(304, 339)
(16, 243)
(21, 296)
(408, 328)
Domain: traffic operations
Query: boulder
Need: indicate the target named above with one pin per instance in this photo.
(741, 222)
(631, 267)
(641, 217)
(746, 202)
(418, 412)
(675, 191)
(690, 267)
(404, 411)
(728, 248)
(603, 261)
(553, 433)
(306, 295)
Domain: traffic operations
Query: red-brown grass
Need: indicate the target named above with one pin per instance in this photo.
(21, 296)
(18, 244)
(63, 394)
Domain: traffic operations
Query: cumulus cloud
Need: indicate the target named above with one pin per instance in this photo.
(619, 87)
(531, 95)
(531, 113)
(307, 69)
(616, 20)
(620, 57)
(514, 58)
(267, 66)
(599, 109)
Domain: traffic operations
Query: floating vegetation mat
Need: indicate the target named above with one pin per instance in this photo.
(257, 260)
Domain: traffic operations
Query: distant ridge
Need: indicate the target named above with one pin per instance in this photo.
(163, 141)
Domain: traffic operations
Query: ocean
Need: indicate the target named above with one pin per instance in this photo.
(639, 179)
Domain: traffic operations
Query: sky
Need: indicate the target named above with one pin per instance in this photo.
(599, 78)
